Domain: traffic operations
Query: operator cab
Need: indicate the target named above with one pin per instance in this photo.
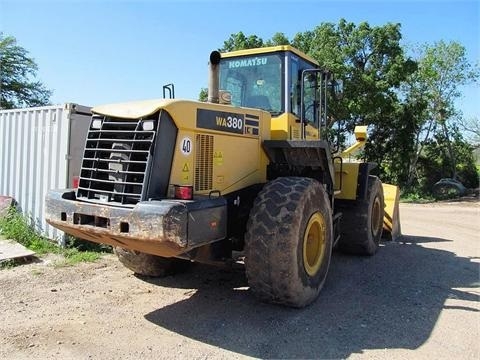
(281, 80)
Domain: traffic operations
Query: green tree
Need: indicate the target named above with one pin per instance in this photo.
(373, 65)
(277, 39)
(203, 95)
(18, 87)
(443, 68)
(239, 41)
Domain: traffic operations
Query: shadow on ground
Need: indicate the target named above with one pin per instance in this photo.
(391, 300)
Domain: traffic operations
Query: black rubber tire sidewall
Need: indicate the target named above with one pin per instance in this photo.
(356, 223)
(274, 241)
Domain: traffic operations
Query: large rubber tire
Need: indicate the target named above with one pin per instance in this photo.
(289, 241)
(361, 225)
(150, 265)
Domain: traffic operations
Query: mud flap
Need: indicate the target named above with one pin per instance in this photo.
(391, 220)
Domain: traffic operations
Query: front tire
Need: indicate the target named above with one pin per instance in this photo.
(289, 241)
(149, 265)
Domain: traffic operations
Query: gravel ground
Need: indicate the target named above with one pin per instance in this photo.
(417, 298)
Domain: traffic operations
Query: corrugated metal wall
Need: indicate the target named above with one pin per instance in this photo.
(33, 157)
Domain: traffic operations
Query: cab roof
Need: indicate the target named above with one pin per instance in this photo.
(270, 49)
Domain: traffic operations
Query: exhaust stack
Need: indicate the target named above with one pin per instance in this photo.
(213, 77)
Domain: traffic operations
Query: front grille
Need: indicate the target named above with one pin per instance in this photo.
(115, 161)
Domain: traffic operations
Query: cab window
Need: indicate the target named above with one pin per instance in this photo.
(254, 81)
(297, 65)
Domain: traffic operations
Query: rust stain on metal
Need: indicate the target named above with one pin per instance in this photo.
(145, 243)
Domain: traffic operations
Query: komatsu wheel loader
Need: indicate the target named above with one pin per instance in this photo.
(248, 174)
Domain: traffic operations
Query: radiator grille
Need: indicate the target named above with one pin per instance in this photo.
(204, 162)
(115, 161)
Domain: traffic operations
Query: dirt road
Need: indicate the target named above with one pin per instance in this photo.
(417, 298)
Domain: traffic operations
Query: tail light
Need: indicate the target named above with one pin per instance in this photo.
(184, 192)
(75, 182)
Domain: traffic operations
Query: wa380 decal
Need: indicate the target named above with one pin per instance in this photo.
(221, 121)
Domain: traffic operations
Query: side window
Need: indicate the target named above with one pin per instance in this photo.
(309, 92)
(309, 88)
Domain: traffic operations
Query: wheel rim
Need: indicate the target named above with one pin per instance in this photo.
(314, 244)
(376, 220)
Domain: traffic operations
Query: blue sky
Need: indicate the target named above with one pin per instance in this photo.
(95, 52)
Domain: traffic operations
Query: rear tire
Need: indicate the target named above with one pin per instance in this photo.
(150, 265)
(289, 241)
(362, 222)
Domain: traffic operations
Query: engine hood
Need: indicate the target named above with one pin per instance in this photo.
(132, 109)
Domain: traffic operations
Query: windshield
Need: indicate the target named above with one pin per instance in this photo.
(254, 81)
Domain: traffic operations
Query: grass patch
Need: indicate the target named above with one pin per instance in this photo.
(416, 198)
(73, 256)
(18, 227)
(22, 229)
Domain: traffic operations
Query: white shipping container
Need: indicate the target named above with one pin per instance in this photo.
(41, 149)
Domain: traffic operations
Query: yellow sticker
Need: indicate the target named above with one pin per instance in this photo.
(218, 158)
(186, 173)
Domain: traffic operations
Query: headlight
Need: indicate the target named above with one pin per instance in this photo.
(148, 125)
(97, 123)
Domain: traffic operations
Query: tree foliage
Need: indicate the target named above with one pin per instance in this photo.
(443, 68)
(278, 39)
(239, 41)
(373, 65)
(18, 87)
(203, 95)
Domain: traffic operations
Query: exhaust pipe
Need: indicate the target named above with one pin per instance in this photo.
(213, 77)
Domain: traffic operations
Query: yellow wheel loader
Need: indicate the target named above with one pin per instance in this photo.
(247, 175)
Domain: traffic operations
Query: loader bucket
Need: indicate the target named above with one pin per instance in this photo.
(391, 220)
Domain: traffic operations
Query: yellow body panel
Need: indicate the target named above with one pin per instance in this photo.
(280, 127)
(236, 160)
(349, 180)
(287, 127)
(346, 186)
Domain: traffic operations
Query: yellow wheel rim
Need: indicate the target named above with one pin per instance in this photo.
(314, 243)
(377, 222)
